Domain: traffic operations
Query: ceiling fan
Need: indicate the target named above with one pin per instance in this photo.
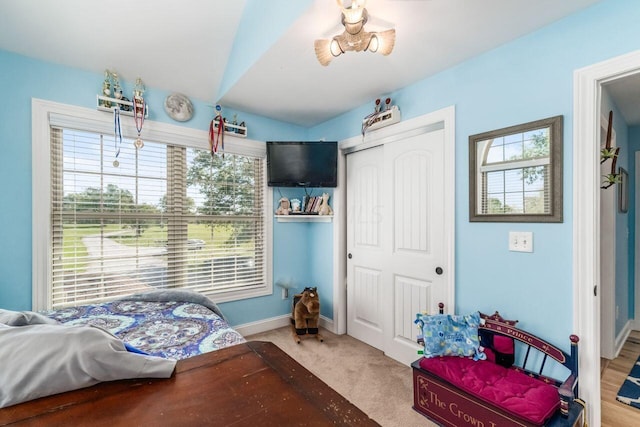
(354, 37)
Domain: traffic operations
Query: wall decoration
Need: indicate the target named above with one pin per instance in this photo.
(139, 107)
(609, 152)
(113, 98)
(216, 131)
(106, 90)
(381, 116)
(623, 191)
(178, 107)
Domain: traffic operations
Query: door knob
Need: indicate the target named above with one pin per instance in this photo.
(349, 256)
(438, 271)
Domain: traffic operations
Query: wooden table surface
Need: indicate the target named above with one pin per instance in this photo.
(251, 384)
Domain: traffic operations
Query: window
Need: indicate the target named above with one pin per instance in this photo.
(515, 173)
(169, 215)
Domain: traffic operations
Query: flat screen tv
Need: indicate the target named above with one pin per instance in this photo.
(302, 163)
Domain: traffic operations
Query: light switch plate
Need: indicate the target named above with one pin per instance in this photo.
(521, 241)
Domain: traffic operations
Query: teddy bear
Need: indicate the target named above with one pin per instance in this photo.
(284, 208)
(325, 209)
(306, 314)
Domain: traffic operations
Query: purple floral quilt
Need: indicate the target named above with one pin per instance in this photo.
(169, 329)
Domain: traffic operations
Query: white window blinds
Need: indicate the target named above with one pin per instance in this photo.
(166, 216)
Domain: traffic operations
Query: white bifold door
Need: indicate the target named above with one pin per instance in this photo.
(395, 241)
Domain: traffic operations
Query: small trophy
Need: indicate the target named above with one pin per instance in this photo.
(106, 89)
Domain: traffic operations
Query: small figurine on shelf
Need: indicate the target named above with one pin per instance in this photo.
(106, 89)
(138, 89)
(284, 208)
(242, 129)
(295, 205)
(325, 209)
(235, 123)
(117, 92)
(117, 89)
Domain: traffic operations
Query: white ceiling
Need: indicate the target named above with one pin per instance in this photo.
(625, 92)
(184, 46)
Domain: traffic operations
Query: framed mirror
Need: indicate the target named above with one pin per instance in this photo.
(515, 173)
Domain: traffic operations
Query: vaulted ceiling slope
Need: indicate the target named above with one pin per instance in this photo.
(257, 56)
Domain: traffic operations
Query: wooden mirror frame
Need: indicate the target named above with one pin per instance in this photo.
(555, 125)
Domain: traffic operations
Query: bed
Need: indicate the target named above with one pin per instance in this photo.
(172, 324)
(159, 358)
(138, 336)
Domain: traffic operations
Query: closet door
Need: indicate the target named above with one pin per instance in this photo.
(366, 248)
(395, 241)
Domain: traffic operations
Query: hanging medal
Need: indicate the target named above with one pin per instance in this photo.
(216, 132)
(138, 115)
(118, 135)
(139, 108)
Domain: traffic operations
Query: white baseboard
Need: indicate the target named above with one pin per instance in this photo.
(265, 325)
(327, 324)
(622, 336)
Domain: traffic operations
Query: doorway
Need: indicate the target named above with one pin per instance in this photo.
(588, 83)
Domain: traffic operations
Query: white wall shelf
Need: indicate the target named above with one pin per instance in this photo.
(235, 130)
(304, 218)
(382, 119)
(104, 103)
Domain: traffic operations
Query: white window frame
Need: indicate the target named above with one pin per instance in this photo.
(44, 113)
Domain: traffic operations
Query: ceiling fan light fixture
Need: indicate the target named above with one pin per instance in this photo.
(354, 12)
(334, 48)
(383, 42)
(326, 50)
(354, 37)
(373, 43)
(323, 51)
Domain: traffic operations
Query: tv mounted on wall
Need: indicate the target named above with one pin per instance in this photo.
(302, 163)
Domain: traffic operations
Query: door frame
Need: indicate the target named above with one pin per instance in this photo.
(636, 259)
(440, 119)
(607, 277)
(587, 90)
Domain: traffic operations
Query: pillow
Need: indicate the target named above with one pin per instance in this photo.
(22, 318)
(498, 348)
(450, 335)
(43, 359)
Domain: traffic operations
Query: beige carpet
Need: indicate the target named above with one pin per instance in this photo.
(378, 385)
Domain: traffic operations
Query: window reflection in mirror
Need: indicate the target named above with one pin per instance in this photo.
(515, 173)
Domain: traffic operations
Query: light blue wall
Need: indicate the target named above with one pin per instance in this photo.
(23, 79)
(525, 80)
(528, 79)
(303, 251)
